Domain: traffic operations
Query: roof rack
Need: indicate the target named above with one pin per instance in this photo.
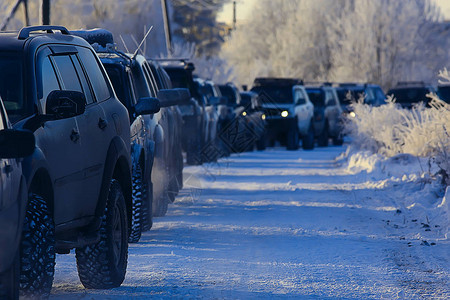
(25, 32)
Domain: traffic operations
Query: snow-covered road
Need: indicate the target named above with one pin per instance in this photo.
(279, 224)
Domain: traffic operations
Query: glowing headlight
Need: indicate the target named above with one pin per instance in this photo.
(244, 113)
(352, 114)
(284, 113)
(263, 116)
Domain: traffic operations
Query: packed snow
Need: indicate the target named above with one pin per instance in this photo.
(325, 224)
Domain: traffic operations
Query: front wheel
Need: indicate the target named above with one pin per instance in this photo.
(37, 250)
(139, 195)
(292, 137)
(308, 139)
(103, 264)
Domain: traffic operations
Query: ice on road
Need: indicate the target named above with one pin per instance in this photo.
(282, 224)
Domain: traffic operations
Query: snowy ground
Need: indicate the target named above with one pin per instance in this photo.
(279, 224)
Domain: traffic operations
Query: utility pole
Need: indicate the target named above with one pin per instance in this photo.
(234, 15)
(45, 12)
(166, 25)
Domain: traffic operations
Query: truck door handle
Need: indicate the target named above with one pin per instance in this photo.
(74, 136)
(102, 123)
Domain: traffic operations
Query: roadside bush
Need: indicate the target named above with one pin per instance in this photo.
(390, 130)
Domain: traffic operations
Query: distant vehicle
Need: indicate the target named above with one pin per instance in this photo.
(252, 115)
(352, 92)
(231, 92)
(288, 110)
(409, 93)
(327, 114)
(443, 91)
(194, 114)
(78, 179)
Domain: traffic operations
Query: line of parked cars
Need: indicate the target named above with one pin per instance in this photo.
(90, 148)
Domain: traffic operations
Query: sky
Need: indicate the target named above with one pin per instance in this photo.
(244, 8)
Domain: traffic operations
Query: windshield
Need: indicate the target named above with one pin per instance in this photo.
(410, 95)
(115, 76)
(11, 88)
(180, 79)
(228, 92)
(317, 97)
(275, 94)
(347, 95)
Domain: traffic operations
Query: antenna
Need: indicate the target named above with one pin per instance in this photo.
(143, 40)
(123, 42)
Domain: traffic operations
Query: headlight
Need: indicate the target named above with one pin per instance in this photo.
(244, 113)
(352, 114)
(263, 116)
(284, 113)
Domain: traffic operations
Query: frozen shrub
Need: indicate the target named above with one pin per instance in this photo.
(390, 130)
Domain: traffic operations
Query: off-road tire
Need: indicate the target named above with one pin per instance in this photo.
(292, 138)
(147, 208)
(138, 197)
(308, 139)
(103, 264)
(37, 250)
(322, 140)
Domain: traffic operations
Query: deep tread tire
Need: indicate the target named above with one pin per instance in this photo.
(322, 141)
(139, 194)
(147, 209)
(292, 138)
(308, 139)
(37, 250)
(103, 265)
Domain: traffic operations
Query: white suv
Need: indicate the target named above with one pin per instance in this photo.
(289, 112)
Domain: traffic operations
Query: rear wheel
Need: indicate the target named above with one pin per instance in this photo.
(308, 139)
(37, 250)
(139, 195)
(103, 265)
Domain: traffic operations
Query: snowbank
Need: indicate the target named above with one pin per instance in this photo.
(415, 188)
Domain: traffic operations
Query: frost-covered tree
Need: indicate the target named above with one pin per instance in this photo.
(379, 41)
(122, 17)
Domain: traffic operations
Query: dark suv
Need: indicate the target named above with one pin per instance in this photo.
(79, 176)
(409, 93)
(194, 114)
(14, 144)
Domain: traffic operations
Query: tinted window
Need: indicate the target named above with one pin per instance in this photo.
(410, 95)
(95, 74)
(115, 75)
(140, 83)
(246, 100)
(150, 79)
(11, 88)
(84, 84)
(68, 74)
(49, 81)
(317, 97)
(182, 79)
(275, 94)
